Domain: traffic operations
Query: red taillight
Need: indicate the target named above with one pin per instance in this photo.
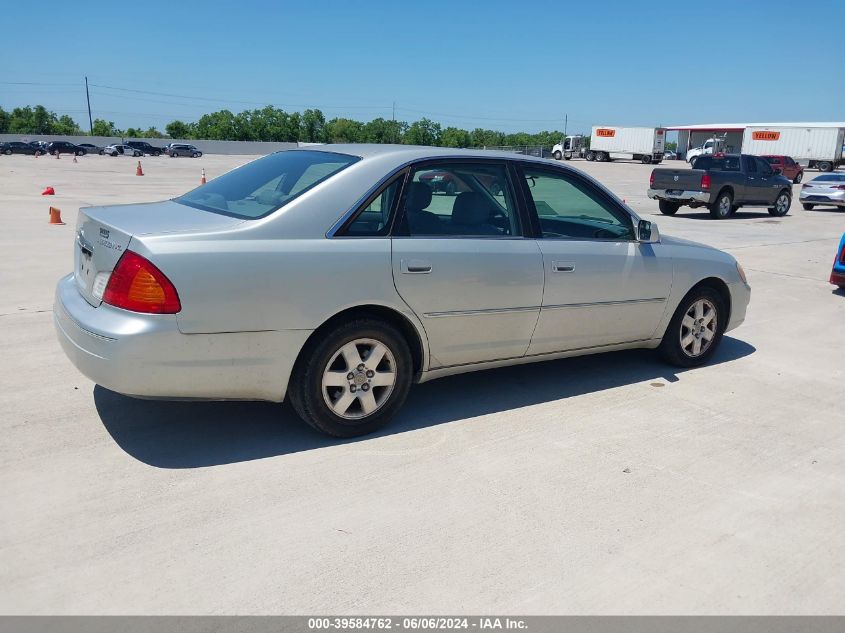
(137, 285)
(651, 180)
(840, 187)
(705, 181)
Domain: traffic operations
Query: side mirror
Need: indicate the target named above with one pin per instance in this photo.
(647, 232)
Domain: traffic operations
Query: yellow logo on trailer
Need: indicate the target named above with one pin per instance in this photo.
(765, 136)
(605, 132)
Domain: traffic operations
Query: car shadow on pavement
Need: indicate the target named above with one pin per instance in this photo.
(168, 434)
(739, 215)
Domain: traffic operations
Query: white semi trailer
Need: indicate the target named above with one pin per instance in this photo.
(644, 144)
(814, 147)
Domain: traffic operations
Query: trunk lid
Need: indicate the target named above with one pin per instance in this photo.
(678, 179)
(104, 233)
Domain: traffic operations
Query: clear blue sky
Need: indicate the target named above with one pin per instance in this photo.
(497, 64)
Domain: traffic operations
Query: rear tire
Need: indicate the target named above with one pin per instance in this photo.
(601, 157)
(688, 331)
(825, 165)
(646, 160)
(721, 207)
(808, 207)
(591, 156)
(668, 208)
(782, 204)
(320, 388)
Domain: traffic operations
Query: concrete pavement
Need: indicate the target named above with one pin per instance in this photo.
(609, 484)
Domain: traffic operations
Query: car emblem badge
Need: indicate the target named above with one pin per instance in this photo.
(104, 233)
(676, 179)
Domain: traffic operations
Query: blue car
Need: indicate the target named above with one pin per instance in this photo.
(837, 275)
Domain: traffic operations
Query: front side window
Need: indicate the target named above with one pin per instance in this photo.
(568, 207)
(267, 184)
(763, 167)
(460, 200)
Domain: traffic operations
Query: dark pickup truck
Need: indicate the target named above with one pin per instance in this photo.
(722, 183)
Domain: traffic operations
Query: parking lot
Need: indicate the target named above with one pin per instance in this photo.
(607, 484)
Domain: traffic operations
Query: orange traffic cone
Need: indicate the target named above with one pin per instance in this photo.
(202, 180)
(138, 170)
(49, 191)
(55, 216)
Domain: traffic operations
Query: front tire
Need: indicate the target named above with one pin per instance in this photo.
(722, 207)
(808, 207)
(557, 155)
(353, 380)
(591, 156)
(695, 330)
(798, 178)
(782, 204)
(668, 208)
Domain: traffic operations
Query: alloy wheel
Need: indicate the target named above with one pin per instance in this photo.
(698, 328)
(359, 378)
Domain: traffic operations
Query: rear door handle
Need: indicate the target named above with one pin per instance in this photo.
(563, 267)
(415, 266)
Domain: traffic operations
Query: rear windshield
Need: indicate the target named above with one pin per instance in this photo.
(774, 160)
(267, 184)
(830, 178)
(717, 163)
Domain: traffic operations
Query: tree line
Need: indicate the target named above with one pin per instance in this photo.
(274, 124)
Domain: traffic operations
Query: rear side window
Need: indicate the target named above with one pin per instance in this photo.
(267, 184)
(720, 163)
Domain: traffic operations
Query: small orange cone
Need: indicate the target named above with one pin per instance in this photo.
(202, 180)
(55, 216)
(138, 170)
(49, 191)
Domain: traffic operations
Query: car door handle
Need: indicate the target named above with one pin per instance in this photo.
(415, 266)
(563, 267)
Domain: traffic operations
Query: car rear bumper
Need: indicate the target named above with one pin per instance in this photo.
(146, 355)
(837, 277)
(681, 196)
(836, 199)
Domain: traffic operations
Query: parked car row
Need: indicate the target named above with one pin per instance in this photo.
(129, 148)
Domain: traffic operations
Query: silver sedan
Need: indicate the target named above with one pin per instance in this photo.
(336, 277)
(823, 191)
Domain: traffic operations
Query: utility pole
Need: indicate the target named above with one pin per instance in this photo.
(88, 97)
(393, 128)
(565, 123)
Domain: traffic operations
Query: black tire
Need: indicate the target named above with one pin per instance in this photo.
(720, 208)
(825, 165)
(114, 153)
(798, 178)
(808, 207)
(306, 391)
(668, 208)
(102, 153)
(196, 155)
(646, 160)
(601, 157)
(672, 350)
(782, 204)
(567, 156)
(557, 155)
(156, 153)
(591, 156)
(8, 152)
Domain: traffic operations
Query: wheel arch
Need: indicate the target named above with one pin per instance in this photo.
(413, 333)
(719, 286)
(729, 189)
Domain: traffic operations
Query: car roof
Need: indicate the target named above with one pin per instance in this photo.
(409, 153)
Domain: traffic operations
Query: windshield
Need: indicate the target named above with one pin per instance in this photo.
(262, 186)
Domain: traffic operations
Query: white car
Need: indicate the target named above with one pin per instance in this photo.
(827, 190)
(119, 149)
